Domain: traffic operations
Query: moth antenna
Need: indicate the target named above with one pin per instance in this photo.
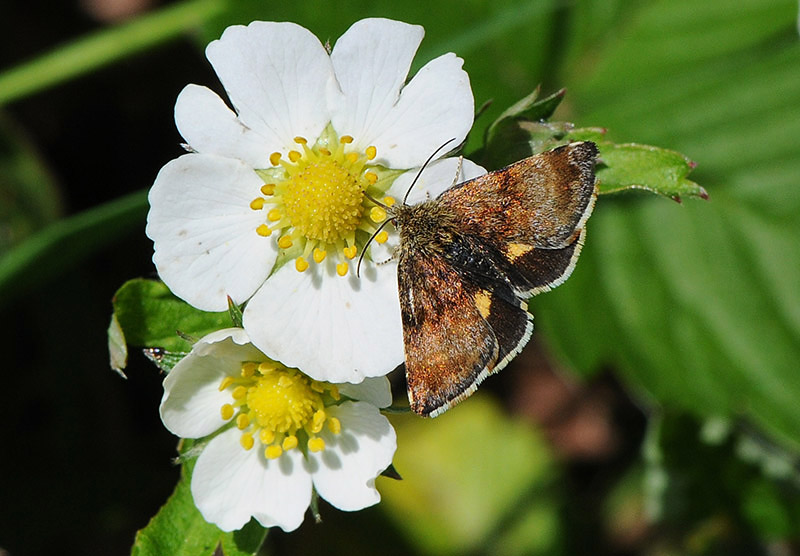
(458, 171)
(363, 251)
(376, 201)
(413, 183)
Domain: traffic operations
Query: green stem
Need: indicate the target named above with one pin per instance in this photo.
(104, 47)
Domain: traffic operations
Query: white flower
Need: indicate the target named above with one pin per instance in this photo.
(281, 433)
(270, 205)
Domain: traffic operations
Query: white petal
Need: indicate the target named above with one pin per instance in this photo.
(276, 75)
(371, 61)
(434, 179)
(209, 126)
(230, 484)
(335, 329)
(190, 407)
(345, 471)
(376, 391)
(200, 220)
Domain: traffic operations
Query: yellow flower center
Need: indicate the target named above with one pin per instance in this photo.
(279, 407)
(314, 200)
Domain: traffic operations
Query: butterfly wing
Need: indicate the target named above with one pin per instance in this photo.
(455, 331)
(531, 214)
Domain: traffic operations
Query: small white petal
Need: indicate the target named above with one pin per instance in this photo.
(190, 407)
(231, 484)
(436, 108)
(206, 245)
(344, 472)
(276, 75)
(434, 179)
(210, 127)
(335, 329)
(376, 391)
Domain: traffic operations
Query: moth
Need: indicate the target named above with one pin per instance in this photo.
(469, 260)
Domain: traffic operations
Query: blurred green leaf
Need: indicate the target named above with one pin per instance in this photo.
(698, 305)
(64, 243)
(473, 474)
(29, 197)
(151, 316)
(178, 529)
(104, 47)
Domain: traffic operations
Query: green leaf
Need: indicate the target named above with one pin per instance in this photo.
(697, 305)
(447, 506)
(529, 108)
(151, 316)
(178, 529)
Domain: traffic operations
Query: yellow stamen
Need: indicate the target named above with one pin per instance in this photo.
(294, 156)
(300, 140)
(257, 203)
(263, 230)
(334, 425)
(239, 392)
(388, 201)
(372, 177)
(265, 367)
(247, 441)
(226, 411)
(350, 252)
(273, 451)
(345, 139)
(324, 151)
(377, 214)
(341, 269)
(352, 158)
(289, 442)
(301, 264)
(317, 421)
(249, 369)
(266, 436)
(274, 215)
(316, 444)
(371, 152)
(382, 236)
(319, 255)
(268, 189)
(227, 381)
(274, 158)
(285, 242)
(242, 421)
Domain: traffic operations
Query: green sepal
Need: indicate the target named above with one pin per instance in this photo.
(631, 166)
(149, 315)
(235, 313)
(178, 529)
(163, 359)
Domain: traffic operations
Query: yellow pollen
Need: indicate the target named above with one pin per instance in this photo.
(377, 214)
(350, 252)
(294, 156)
(226, 411)
(257, 203)
(319, 255)
(341, 269)
(316, 444)
(345, 139)
(389, 201)
(263, 230)
(227, 381)
(268, 189)
(300, 140)
(247, 441)
(266, 436)
(239, 392)
(334, 425)
(289, 442)
(273, 451)
(371, 177)
(382, 236)
(301, 264)
(285, 242)
(265, 367)
(371, 152)
(274, 215)
(242, 421)
(274, 158)
(248, 370)
(282, 401)
(317, 421)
